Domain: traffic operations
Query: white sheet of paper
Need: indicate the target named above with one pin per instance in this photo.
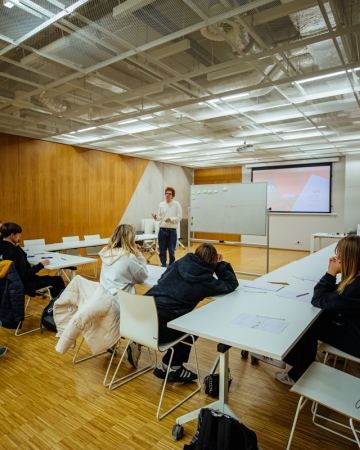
(267, 324)
(263, 285)
(295, 295)
(308, 277)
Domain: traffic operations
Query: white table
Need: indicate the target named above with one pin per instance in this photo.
(212, 321)
(63, 246)
(320, 236)
(60, 261)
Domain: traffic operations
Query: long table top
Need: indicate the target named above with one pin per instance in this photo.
(214, 320)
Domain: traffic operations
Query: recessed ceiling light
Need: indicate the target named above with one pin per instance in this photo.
(231, 97)
(271, 107)
(304, 129)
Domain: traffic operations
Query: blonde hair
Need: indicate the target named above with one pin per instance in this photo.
(348, 250)
(123, 237)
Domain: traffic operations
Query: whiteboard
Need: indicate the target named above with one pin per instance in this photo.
(231, 208)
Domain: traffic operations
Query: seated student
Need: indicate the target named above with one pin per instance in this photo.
(339, 323)
(123, 266)
(9, 249)
(181, 287)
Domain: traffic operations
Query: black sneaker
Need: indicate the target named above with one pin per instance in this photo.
(160, 372)
(181, 375)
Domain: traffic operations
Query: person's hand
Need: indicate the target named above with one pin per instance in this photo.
(45, 263)
(168, 220)
(334, 266)
(154, 216)
(220, 257)
(138, 247)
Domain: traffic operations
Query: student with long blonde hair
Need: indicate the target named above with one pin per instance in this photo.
(123, 265)
(339, 323)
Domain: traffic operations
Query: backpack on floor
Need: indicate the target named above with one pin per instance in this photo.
(47, 317)
(218, 431)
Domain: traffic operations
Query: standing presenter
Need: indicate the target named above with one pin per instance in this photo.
(169, 215)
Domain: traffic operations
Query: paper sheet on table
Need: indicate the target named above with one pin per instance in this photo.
(295, 295)
(309, 277)
(275, 326)
(263, 285)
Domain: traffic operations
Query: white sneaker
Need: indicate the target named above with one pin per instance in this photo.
(133, 354)
(284, 378)
(266, 359)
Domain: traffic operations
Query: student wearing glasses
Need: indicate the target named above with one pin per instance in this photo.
(169, 215)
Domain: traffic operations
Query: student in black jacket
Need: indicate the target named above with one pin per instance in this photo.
(339, 323)
(181, 287)
(9, 249)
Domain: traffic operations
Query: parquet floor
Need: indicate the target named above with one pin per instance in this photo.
(47, 402)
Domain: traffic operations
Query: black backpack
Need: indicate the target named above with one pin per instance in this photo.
(218, 431)
(47, 317)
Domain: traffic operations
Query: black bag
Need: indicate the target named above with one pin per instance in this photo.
(211, 383)
(47, 317)
(217, 431)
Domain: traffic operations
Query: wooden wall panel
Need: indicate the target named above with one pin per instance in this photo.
(72, 190)
(217, 176)
(38, 173)
(9, 177)
(55, 190)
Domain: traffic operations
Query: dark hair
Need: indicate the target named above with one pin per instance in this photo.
(207, 253)
(171, 189)
(9, 228)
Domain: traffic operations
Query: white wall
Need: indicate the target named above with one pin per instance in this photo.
(150, 191)
(352, 192)
(287, 229)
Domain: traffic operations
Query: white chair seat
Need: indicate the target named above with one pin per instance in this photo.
(333, 389)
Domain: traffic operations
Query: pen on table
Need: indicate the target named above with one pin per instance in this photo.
(279, 282)
(257, 292)
(46, 257)
(275, 318)
(64, 259)
(301, 295)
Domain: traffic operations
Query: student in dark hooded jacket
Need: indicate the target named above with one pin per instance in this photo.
(184, 284)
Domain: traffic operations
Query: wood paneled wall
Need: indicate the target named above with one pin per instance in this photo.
(54, 190)
(217, 176)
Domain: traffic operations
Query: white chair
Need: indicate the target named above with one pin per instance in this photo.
(93, 251)
(330, 350)
(139, 323)
(32, 242)
(334, 389)
(72, 251)
(43, 293)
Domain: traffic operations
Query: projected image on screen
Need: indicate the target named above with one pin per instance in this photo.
(297, 189)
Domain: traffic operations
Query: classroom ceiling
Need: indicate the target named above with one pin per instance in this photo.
(199, 83)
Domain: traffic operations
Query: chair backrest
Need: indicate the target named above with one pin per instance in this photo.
(138, 318)
(148, 226)
(92, 251)
(32, 242)
(73, 251)
(90, 237)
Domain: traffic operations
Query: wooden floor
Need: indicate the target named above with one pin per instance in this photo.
(47, 402)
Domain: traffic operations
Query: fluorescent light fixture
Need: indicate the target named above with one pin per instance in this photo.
(320, 77)
(72, 132)
(272, 107)
(170, 50)
(304, 129)
(125, 122)
(147, 117)
(130, 6)
(25, 8)
(215, 100)
(231, 97)
(201, 103)
(86, 129)
(8, 4)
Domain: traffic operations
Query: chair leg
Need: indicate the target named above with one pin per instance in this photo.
(301, 404)
(17, 333)
(76, 361)
(115, 383)
(165, 381)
